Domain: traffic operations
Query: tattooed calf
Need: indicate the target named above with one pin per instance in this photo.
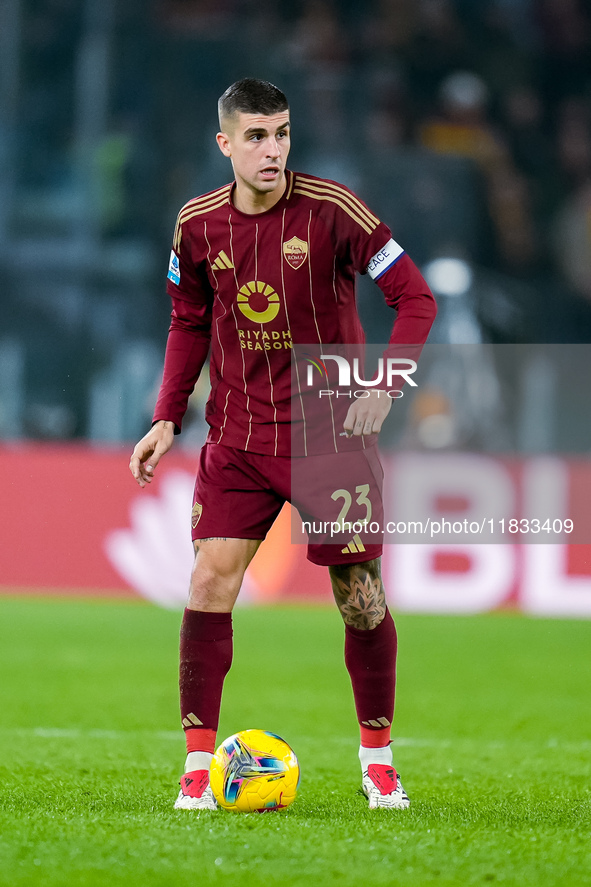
(359, 593)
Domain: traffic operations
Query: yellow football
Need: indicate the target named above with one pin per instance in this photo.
(254, 771)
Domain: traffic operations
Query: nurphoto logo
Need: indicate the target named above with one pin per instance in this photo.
(390, 370)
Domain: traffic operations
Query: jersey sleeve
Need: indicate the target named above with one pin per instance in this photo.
(358, 234)
(406, 290)
(367, 243)
(189, 334)
(372, 250)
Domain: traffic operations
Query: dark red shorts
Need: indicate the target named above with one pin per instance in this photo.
(338, 497)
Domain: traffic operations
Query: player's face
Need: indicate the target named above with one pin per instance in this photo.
(258, 146)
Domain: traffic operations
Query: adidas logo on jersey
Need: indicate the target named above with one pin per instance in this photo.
(354, 546)
(222, 263)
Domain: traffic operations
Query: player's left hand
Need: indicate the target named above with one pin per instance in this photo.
(366, 414)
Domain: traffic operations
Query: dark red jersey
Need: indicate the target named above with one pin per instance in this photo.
(247, 287)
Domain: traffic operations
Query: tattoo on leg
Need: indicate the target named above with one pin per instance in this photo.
(197, 542)
(359, 593)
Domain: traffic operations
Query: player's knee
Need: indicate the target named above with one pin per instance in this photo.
(348, 575)
(359, 594)
(366, 619)
(211, 580)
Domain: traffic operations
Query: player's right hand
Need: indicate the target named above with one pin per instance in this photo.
(149, 450)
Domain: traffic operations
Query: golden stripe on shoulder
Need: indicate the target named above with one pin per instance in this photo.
(200, 210)
(325, 186)
(292, 179)
(198, 206)
(368, 227)
(206, 198)
(207, 201)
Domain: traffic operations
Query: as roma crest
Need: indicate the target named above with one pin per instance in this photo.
(295, 251)
(196, 514)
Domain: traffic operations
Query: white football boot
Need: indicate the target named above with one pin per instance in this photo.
(382, 787)
(195, 793)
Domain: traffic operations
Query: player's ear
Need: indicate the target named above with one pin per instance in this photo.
(224, 144)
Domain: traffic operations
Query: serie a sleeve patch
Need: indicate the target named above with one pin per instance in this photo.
(384, 259)
(174, 269)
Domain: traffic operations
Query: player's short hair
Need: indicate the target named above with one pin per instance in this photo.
(251, 96)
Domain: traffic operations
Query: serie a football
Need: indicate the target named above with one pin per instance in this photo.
(254, 771)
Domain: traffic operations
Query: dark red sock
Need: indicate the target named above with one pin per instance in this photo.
(205, 659)
(370, 657)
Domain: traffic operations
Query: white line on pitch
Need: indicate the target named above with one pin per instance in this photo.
(90, 733)
(400, 741)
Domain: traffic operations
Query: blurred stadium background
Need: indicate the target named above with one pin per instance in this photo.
(466, 126)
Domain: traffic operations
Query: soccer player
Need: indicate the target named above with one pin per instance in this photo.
(257, 265)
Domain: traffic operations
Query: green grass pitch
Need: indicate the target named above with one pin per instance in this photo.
(492, 739)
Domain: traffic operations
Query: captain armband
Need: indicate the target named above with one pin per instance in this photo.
(384, 259)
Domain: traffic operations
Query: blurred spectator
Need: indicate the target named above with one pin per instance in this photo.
(391, 28)
(463, 129)
(498, 48)
(386, 130)
(318, 48)
(523, 116)
(565, 28)
(462, 126)
(573, 239)
(572, 230)
(50, 39)
(113, 157)
(196, 18)
(574, 139)
(510, 207)
(439, 47)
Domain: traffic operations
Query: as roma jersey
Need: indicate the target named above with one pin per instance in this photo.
(245, 288)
